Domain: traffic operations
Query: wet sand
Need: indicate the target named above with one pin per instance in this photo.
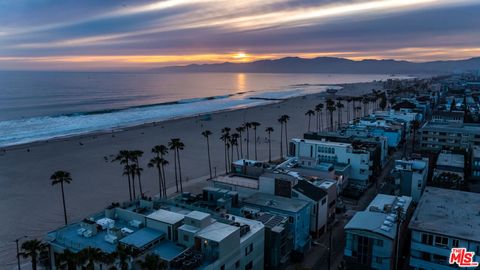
(31, 206)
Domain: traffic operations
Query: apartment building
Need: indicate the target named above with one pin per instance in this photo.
(313, 153)
(440, 136)
(444, 219)
(374, 235)
(411, 177)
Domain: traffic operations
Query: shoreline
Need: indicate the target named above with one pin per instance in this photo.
(104, 132)
(31, 206)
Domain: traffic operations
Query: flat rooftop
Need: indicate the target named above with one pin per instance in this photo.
(372, 222)
(217, 231)
(323, 142)
(381, 200)
(237, 181)
(448, 212)
(276, 202)
(166, 216)
(452, 127)
(142, 237)
(451, 160)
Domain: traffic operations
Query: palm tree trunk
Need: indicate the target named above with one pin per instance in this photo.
(331, 120)
(133, 185)
(269, 148)
(129, 187)
(238, 153)
(175, 162)
(226, 154)
(209, 161)
(318, 121)
(241, 144)
(140, 185)
(64, 207)
(281, 140)
(179, 171)
(34, 262)
(321, 121)
(164, 182)
(255, 139)
(248, 142)
(309, 120)
(160, 188)
(286, 140)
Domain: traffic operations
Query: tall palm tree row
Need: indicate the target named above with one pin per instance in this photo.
(240, 130)
(269, 131)
(248, 125)
(309, 114)
(207, 134)
(137, 170)
(159, 162)
(254, 126)
(225, 137)
(340, 106)
(32, 249)
(123, 157)
(281, 121)
(62, 177)
(331, 108)
(318, 110)
(176, 145)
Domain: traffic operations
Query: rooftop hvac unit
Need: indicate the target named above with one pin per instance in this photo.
(112, 239)
(135, 223)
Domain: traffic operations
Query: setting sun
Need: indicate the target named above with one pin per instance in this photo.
(240, 56)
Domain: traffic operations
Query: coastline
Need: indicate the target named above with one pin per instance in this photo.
(31, 206)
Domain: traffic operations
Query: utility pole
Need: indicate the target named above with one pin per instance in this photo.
(18, 250)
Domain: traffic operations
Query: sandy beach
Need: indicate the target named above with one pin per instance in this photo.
(31, 206)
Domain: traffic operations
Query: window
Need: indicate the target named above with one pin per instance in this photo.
(455, 242)
(237, 264)
(440, 258)
(290, 219)
(249, 266)
(249, 249)
(379, 243)
(185, 238)
(441, 241)
(324, 201)
(427, 239)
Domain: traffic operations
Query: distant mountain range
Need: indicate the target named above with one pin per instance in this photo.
(332, 65)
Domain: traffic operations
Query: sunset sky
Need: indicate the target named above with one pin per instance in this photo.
(136, 34)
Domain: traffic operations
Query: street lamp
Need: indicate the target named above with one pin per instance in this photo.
(18, 250)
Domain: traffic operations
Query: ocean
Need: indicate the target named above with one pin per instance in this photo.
(44, 105)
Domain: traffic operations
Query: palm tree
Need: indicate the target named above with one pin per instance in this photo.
(225, 138)
(331, 108)
(160, 162)
(281, 121)
(151, 262)
(61, 177)
(176, 144)
(232, 142)
(240, 130)
(318, 109)
(32, 249)
(123, 157)
(286, 118)
(135, 171)
(248, 125)
(235, 138)
(135, 154)
(90, 255)
(72, 259)
(348, 99)
(255, 125)
(309, 113)
(269, 130)
(339, 106)
(365, 102)
(123, 253)
(206, 134)
(127, 171)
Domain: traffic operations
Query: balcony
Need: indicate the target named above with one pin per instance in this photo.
(444, 251)
(419, 263)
